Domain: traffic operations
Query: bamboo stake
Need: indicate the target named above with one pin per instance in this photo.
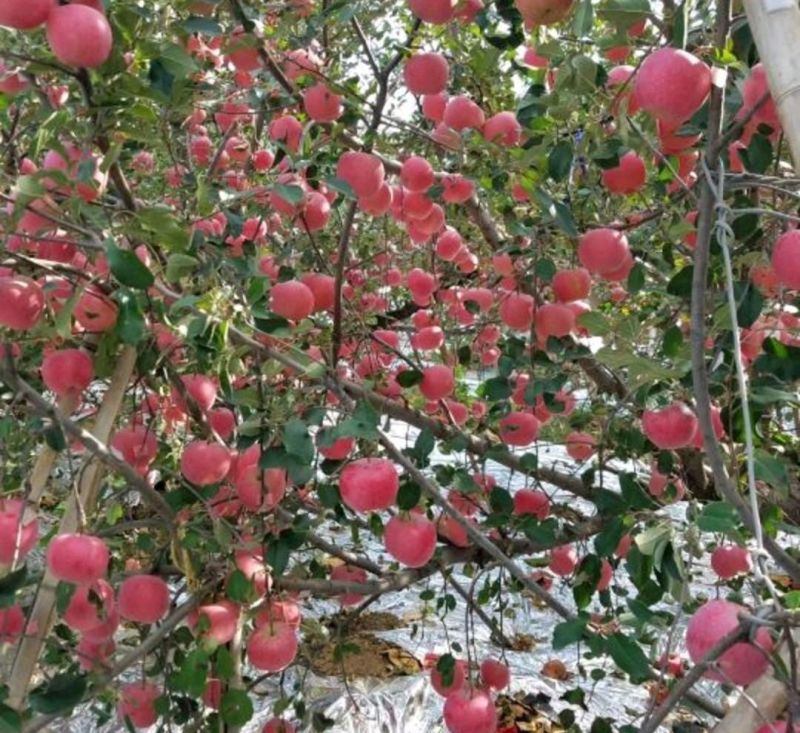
(41, 616)
(775, 25)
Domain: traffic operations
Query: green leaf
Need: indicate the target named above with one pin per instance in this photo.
(681, 283)
(10, 720)
(177, 61)
(292, 194)
(673, 341)
(718, 516)
(501, 501)
(545, 269)
(127, 268)
(779, 360)
(60, 695)
(341, 186)
(206, 26)
(584, 17)
(772, 469)
(495, 389)
(409, 377)
(277, 556)
(758, 156)
(10, 584)
(750, 303)
(180, 265)
(328, 495)
(363, 423)
(636, 278)
(192, 673)
(408, 496)
(629, 657)
(64, 593)
(130, 326)
(239, 588)
(297, 441)
(569, 632)
(595, 323)
(559, 162)
(236, 708)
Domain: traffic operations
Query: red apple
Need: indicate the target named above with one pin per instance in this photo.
(426, 73)
(671, 427)
(272, 647)
(470, 711)
(77, 558)
(369, 484)
(410, 541)
(744, 662)
(137, 703)
(79, 35)
(143, 599)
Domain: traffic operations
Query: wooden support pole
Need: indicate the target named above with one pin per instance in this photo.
(775, 25)
(41, 616)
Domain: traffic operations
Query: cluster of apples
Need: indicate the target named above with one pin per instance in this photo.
(78, 33)
(469, 705)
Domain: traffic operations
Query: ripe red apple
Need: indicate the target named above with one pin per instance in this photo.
(369, 484)
(606, 575)
(461, 113)
(470, 711)
(205, 463)
(11, 514)
(292, 300)
(67, 372)
(339, 450)
(672, 84)
(563, 560)
(503, 128)
(516, 311)
(554, 319)
(322, 288)
(426, 73)
(272, 647)
(77, 558)
(778, 726)
(543, 12)
(730, 561)
(457, 682)
(744, 662)
(143, 599)
(90, 607)
(571, 285)
(349, 574)
(671, 427)
(79, 35)
(436, 12)
(602, 250)
(580, 446)
(93, 654)
(321, 104)
(437, 382)
(628, 177)
(137, 446)
(278, 725)
(219, 619)
(519, 428)
(785, 259)
(12, 622)
(495, 674)
(137, 703)
(754, 87)
(416, 174)
(94, 311)
(532, 501)
(364, 172)
(410, 541)
(25, 14)
(21, 302)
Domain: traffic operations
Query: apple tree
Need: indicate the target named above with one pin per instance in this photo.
(325, 298)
